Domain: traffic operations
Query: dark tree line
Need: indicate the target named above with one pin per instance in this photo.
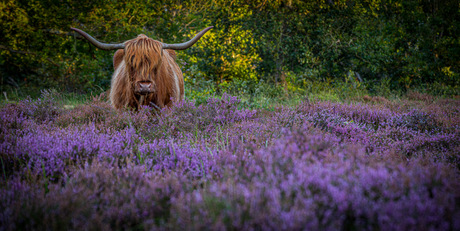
(404, 43)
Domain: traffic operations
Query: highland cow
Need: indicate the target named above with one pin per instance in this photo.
(145, 71)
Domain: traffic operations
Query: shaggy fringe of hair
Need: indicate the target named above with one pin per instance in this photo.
(139, 54)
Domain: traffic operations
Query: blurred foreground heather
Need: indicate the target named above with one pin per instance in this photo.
(372, 164)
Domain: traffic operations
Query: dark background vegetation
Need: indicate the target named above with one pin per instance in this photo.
(290, 45)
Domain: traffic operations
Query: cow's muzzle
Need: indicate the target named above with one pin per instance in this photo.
(143, 87)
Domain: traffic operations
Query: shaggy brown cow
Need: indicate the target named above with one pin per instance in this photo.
(144, 73)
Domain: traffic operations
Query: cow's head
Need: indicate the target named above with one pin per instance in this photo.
(143, 57)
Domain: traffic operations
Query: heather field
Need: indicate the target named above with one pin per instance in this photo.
(363, 164)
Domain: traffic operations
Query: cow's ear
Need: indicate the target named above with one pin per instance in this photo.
(118, 58)
(172, 53)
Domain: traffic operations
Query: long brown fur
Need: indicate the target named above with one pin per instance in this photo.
(144, 59)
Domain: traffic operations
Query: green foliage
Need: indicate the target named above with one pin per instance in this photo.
(223, 56)
(383, 46)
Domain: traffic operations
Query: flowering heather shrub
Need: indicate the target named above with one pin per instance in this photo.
(11, 117)
(168, 156)
(287, 117)
(327, 196)
(54, 152)
(414, 95)
(318, 166)
(97, 197)
(416, 120)
(45, 108)
(94, 112)
(382, 130)
(186, 117)
(446, 112)
(373, 115)
(103, 115)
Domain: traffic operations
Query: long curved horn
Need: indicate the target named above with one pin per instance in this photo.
(183, 46)
(103, 46)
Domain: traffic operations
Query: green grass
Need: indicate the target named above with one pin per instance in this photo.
(68, 99)
(264, 95)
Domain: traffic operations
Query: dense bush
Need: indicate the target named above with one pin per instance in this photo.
(377, 45)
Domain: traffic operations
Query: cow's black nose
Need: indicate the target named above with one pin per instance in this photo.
(144, 87)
